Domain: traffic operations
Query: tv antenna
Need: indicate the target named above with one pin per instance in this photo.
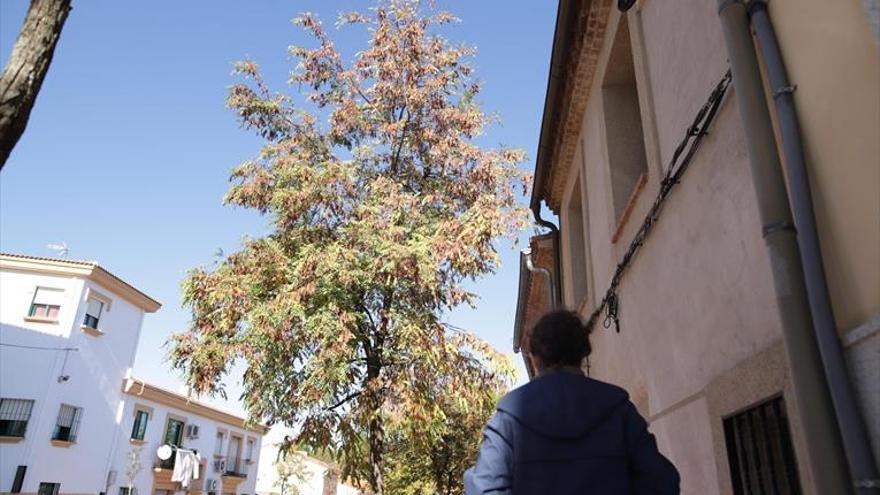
(61, 249)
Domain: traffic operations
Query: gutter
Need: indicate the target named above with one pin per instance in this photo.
(823, 443)
(862, 464)
(562, 37)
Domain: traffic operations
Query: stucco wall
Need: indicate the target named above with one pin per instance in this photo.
(94, 370)
(205, 444)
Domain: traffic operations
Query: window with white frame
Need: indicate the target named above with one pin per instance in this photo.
(623, 122)
(49, 489)
(94, 308)
(67, 424)
(14, 416)
(46, 303)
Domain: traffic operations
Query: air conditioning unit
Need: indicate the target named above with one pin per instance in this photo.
(211, 485)
(192, 431)
(220, 465)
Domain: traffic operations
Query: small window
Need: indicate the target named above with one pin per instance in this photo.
(67, 424)
(577, 252)
(249, 452)
(218, 446)
(759, 450)
(623, 123)
(46, 303)
(49, 488)
(139, 429)
(93, 313)
(18, 481)
(14, 416)
(124, 490)
(174, 432)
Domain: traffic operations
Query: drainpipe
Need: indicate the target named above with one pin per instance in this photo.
(824, 446)
(555, 283)
(551, 293)
(852, 426)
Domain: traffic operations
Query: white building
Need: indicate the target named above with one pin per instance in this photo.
(311, 476)
(68, 335)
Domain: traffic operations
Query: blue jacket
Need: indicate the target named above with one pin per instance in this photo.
(564, 433)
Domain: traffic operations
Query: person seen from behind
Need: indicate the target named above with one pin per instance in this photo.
(565, 433)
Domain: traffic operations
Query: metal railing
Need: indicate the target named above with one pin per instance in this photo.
(235, 466)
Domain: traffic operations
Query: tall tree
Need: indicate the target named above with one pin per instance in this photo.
(383, 205)
(26, 68)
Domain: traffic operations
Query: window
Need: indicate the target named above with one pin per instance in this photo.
(49, 488)
(19, 479)
(139, 429)
(623, 123)
(93, 313)
(124, 490)
(46, 303)
(249, 451)
(174, 432)
(218, 446)
(67, 423)
(759, 450)
(577, 253)
(14, 416)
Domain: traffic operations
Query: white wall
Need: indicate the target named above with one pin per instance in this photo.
(95, 370)
(205, 444)
(313, 474)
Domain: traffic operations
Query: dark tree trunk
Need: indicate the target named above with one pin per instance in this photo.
(26, 69)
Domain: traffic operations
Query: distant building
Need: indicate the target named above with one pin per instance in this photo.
(703, 348)
(315, 477)
(70, 413)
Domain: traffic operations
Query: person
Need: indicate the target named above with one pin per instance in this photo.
(565, 433)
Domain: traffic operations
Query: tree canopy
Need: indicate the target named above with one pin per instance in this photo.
(382, 205)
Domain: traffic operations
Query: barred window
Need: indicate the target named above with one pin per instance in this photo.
(67, 424)
(759, 450)
(49, 488)
(14, 416)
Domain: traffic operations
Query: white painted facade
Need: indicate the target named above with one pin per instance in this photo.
(229, 448)
(50, 361)
(313, 475)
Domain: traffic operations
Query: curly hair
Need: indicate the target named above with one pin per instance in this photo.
(560, 338)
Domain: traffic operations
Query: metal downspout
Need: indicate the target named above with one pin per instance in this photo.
(852, 426)
(824, 446)
(556, 294)
(530, 265)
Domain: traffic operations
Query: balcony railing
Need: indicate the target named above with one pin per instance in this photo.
(235, 466)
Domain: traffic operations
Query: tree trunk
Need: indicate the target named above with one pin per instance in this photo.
(26, 69)
(376, 429)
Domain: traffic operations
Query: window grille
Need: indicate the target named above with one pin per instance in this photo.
(759, 451)
(14, 416)
(67, 424)
(49, 488)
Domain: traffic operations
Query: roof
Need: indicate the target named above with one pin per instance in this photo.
(80, 268)
(577, 42)
(139, 388)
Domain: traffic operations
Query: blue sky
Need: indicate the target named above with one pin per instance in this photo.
(128, 149)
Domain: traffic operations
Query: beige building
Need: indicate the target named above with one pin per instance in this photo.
(717, 340)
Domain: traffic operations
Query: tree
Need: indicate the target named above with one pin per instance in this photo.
(133, 466)
(292, 472)
(26, 68)
(433, 461)
(383, 205)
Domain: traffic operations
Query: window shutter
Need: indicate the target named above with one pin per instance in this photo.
(94, 308)
(49, 296)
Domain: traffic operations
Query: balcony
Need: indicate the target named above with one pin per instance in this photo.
(235, 466)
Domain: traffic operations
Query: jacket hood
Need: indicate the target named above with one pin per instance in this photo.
(562, 405)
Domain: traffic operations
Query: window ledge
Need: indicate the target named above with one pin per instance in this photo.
(94, 332)
(10, 439)
(630, 206)
(40, 319)
(135, 441)
(61, 443)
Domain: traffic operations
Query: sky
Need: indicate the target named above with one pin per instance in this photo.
(127, 153)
